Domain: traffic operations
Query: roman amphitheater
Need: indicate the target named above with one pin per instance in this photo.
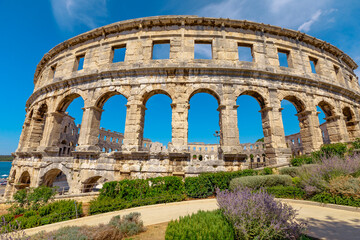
(51, 146)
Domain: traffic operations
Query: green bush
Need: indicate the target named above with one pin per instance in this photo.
(300, 160)
(286, 192)
(266, 171)
(49, 213)
(202, 225)
(330, 150)
(326, 197)
(292, 171)
(142, 188)
(102, 205)
(256, 182)
(206, 183)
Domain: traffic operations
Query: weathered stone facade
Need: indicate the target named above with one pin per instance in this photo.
(334, 88)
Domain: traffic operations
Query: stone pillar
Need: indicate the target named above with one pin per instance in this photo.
(52, 131)
(134, 127)
(24, 135)
(89, 131)
(311, 138)
(179, 124)
(229, 132)
(336, 128)
(274, 137)
(36, 132)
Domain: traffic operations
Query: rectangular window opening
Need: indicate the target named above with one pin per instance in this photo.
(118, 53)
(245, 52)
(313, 64)
(202, 50)
(283, 57)
(79, 65)
(161, 50)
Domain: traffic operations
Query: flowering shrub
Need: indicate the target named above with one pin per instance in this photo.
(316, 179)
(257, 215)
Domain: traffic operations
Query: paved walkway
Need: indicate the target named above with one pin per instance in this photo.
(324, 222)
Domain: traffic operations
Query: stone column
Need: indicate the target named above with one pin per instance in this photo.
(134, 127)
(52, 131)
(310, 132)
(229, 132)
(89, 131)
(179, 124)
(36, 132)
(274, 137)
(336, 128)
(24, 135)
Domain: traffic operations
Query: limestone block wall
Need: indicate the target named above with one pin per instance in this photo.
(330, 84)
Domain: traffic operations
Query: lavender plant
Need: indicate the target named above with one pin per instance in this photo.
(257, 215)
(317, 178)
(11, 231)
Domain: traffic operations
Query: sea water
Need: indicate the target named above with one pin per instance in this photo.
(5, 169)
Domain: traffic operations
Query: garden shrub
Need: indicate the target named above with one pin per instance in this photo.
(128, 225)
(257, 215)
(267, 171)
(316, 179)
(49, 213)
(256, 182)
(201, 225)
(326, 197)
(286, 192)
(102, 205)
(205, 184)
(116, 229)
(347, 186)
(142, 188)
(301, 160)
(330, 150)
(291, 171)
(33, 197)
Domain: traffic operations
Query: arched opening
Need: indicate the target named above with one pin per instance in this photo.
(38, 124)
(158, 116)
(249, 120)
(203, 120)
(92, 184)
(351, 124)
(71, 108)
(291, 107)
(55, 178)
(325, 112)
(24, 180)
(112, 123)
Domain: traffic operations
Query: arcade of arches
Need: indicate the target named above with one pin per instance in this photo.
(52, 148)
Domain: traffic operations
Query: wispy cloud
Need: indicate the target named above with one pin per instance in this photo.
(307, 25)
(285, 13)
(71, 13)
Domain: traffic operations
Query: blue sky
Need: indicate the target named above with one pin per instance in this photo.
(29, 29)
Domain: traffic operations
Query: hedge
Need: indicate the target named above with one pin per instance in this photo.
(142, 188)
(257, 182)
(286, 192)
(326, 197)
(106, 204)
(205, 184)
(201, 225)
(49, 213)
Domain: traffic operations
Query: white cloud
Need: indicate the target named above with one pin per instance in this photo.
(285, 13)
(307, 25)
(70, 13)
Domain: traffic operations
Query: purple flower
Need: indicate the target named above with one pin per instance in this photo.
(257, 215)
